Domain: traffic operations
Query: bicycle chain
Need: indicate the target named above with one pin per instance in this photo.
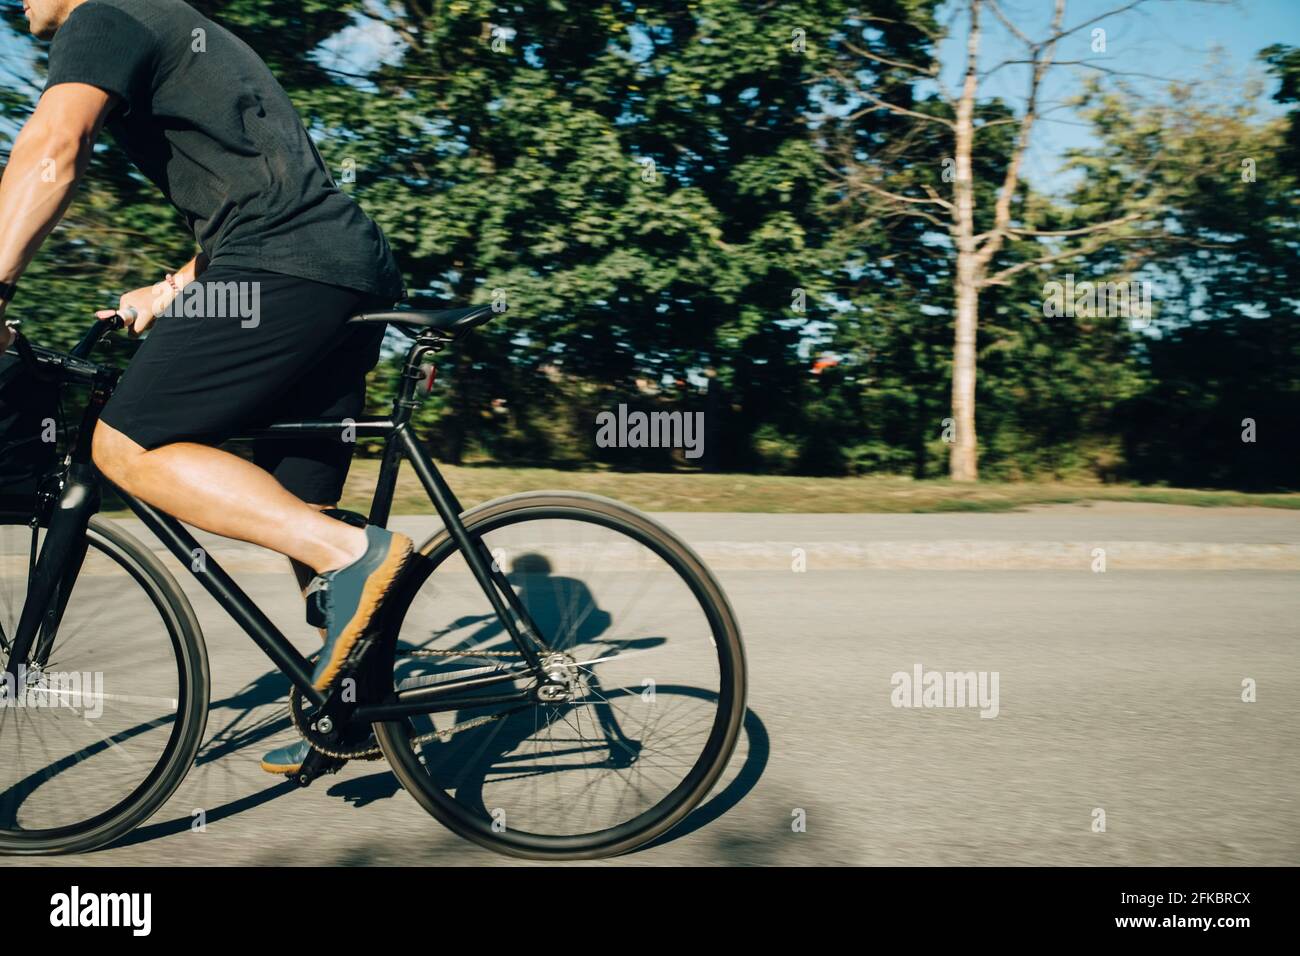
(376, 753)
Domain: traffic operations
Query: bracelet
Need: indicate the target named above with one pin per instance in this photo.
(7, 290)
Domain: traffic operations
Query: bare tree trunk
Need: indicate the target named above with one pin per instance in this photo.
(962, 460)
(974, 252)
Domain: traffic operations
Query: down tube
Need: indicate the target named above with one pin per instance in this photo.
(230, 597)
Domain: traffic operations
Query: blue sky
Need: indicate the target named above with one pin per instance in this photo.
(1164, 38)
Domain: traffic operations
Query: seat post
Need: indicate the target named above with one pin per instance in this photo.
(405, 403)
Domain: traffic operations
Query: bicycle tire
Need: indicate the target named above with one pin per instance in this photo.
(714, 757)
(183, 743)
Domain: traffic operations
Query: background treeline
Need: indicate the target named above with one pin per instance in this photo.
(668, 198)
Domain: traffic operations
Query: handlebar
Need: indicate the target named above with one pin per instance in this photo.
(97, 331)
(77, 361)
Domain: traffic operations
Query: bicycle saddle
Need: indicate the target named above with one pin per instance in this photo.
(452, 323)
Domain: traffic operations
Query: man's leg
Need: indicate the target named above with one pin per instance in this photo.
(315, 469)
(289, 758)
(220, 492)
(199, 379)
(301, 572)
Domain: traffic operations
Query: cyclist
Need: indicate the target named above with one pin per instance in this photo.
(286, 257)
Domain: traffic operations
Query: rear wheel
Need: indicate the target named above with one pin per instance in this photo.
(643, 641)
(97, 733)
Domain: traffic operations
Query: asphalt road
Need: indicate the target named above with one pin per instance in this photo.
(1119, 693)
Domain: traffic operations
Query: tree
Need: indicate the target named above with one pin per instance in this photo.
(993, 228)
(639, 186)
(1220, 394)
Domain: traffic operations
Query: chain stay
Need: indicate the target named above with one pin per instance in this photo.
(376, 753)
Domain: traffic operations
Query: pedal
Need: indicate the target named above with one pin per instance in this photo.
(316, 765)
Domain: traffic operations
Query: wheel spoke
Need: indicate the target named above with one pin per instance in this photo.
(89, 728)
(637, 711)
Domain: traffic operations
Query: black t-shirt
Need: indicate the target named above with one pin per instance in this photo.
(203, 117)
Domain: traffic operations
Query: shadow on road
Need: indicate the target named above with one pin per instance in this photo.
(157, 831)
(366, 790)
(362, 792)
(760, 748)
(235, 734)
(553, 602)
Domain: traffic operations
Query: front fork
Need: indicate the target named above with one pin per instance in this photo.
(56, 569)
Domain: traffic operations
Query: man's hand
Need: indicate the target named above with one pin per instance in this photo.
(6, 337)
(146, 303)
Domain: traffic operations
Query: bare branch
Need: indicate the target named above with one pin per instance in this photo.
(935, 197)
(1115, 11)
(997, 122)
(1014, 30)
(913, 213)
(1085, 230)
(1002, 208)
(1083, 249)
(868, 55)
(929, 35)
(1089, 64)
(933, 200)
(897, 110)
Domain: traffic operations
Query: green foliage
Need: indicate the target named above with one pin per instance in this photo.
(645, 189)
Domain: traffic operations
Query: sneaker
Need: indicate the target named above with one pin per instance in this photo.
(290, 758)
(346, 600)
(286, 759)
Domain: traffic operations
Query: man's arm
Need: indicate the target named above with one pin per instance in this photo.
(191, 270)
(48, 159)
(140, 307)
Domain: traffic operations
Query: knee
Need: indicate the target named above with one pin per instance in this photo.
(113, 453)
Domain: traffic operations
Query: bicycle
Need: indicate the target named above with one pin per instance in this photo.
(509, 702)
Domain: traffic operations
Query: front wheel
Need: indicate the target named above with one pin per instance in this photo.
(109, 705)
(641, 636)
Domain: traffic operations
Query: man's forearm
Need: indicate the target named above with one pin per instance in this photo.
(190, 271)
(39, 181)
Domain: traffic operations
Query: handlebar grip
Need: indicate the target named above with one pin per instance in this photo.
(96, 332)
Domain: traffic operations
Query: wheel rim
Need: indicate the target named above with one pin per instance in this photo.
(81, 747)
(654, 712)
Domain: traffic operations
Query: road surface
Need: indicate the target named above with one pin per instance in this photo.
(1119, 699)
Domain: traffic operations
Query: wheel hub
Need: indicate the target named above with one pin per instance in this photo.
(563, 679)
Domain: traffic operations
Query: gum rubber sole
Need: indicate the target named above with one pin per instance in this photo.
(281, 767)
(400, 551)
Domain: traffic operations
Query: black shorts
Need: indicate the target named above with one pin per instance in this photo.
(270, 348)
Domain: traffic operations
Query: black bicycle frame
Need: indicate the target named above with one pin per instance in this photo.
(64, 546)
